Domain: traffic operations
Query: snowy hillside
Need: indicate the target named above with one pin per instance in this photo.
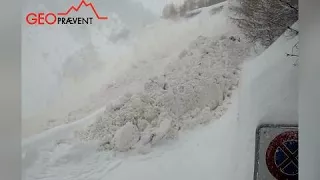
(267, 92)
(88, 71)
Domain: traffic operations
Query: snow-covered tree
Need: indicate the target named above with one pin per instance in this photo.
(170, 10)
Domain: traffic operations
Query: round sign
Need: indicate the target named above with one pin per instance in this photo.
(282, 156)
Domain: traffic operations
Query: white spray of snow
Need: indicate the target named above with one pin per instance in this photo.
(56, 77)
(148, 51)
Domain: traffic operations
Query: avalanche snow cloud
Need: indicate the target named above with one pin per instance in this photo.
(57, 61)
(75, 78)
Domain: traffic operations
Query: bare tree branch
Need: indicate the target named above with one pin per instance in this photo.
(292, 55)
(263, 21)
(294, 30)
(289, 5)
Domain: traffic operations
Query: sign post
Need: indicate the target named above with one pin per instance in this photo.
(276, 155)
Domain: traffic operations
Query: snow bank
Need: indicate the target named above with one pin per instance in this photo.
(191, 91)
(268, 94)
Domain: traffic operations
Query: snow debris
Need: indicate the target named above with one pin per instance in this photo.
(192, 91)
(126, 137)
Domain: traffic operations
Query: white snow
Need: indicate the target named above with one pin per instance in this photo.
(267, 93)
(125, 137)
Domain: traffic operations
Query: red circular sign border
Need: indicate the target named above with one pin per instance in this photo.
(271, 150)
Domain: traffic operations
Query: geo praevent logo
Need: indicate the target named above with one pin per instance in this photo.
(51, 18)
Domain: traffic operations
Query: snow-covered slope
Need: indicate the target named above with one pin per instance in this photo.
(92, 64)
(223, 150)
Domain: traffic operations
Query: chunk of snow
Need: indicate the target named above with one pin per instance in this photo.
(162, 131)
(126, 137)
